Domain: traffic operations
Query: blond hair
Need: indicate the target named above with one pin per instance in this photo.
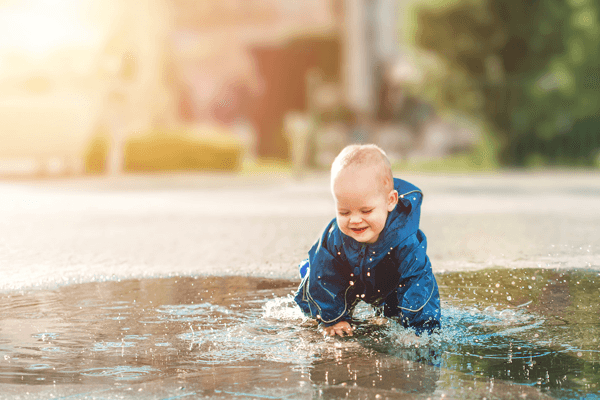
(364, 155)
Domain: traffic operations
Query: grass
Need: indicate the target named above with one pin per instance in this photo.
(483, 158)
(266, 166)
(455, 163)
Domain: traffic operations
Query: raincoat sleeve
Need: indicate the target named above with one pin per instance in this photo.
(418, 300)
(323, 292)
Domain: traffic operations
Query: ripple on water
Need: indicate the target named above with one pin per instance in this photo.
(119, 373)
(35, 367)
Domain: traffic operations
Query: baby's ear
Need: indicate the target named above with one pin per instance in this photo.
(392, 200)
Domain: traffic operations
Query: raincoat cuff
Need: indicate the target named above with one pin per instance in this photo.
(327, 325)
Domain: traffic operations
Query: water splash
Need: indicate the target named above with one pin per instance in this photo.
(532, 327)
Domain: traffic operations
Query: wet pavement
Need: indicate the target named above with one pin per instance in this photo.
(87, 229)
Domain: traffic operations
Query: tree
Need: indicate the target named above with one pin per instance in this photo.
(530, 69)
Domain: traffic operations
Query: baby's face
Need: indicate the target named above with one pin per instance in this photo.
(362, 204)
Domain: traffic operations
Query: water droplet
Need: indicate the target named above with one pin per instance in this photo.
(508, 298)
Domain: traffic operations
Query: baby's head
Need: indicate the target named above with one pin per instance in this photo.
(363, 189)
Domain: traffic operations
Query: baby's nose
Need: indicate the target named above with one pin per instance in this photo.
(354, 218)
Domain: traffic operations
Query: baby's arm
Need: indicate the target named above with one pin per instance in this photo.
(341, 328)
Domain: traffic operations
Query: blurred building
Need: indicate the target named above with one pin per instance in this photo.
(246, 65)
(340, 63)
(248, 60)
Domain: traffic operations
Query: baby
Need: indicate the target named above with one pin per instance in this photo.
(372, 251)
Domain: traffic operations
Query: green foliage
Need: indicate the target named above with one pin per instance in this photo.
(481, 159)
(96, 154)
(168, 150)
(530, 69)
(172, 150)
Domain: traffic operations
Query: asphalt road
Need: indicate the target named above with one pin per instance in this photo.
(94, 228)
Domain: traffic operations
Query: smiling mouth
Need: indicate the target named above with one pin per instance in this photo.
(358, 230)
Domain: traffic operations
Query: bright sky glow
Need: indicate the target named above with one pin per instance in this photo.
(37, 27)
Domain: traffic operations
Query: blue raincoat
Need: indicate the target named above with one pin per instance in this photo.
(394, 273)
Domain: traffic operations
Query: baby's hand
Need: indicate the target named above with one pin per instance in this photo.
(339, 329)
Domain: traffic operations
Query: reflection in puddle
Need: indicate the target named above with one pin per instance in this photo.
(238, 335)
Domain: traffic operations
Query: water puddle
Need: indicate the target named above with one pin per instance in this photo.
(507, 333)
